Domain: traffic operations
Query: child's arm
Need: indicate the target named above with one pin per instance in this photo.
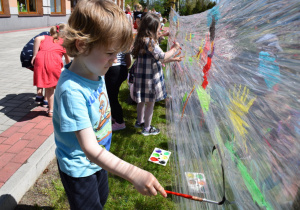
(178, 59)
(158, 54)
(171, 52)
(67, 58)
(36, 47)
(143, 181)
(128, 60)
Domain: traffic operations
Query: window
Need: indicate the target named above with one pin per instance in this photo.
(4, 8)
(58, 7)
(27, 6)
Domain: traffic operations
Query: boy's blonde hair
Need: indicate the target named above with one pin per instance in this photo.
(57, 31)
(97, 23)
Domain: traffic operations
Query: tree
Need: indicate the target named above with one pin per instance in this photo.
(189, 7)
(199, 6)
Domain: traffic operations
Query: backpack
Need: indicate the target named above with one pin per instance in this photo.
(27, 52)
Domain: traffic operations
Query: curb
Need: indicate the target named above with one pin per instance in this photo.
(19, 183)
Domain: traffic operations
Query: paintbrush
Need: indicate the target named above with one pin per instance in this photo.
(195, 198)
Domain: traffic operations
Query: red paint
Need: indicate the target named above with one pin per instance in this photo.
(153, 159)
(205, 72)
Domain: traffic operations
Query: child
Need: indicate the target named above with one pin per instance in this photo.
(114, 77)
(137, 21)
(47, 62)
(128, 14)
(163, 22)
(26, 57)
(97, 31)
(148, 85)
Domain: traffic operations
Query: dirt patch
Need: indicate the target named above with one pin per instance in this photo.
(46, 193)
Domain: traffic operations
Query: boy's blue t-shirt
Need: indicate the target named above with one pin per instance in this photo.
(79, 103)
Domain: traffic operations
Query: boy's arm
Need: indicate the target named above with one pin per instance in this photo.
(36, 47)
(143, 181)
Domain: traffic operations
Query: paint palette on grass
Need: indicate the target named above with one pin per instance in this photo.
(196, 182)
(160, 156)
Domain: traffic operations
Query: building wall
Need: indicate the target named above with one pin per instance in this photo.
(16, 22)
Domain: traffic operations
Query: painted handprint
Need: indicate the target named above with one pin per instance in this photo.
(238, 108)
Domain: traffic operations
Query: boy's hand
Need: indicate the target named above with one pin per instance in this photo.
(146, 184)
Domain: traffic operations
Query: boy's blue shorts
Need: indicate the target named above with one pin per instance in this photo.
(86, 192)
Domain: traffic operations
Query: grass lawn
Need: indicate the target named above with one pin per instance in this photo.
(130, 145)
(134, 148)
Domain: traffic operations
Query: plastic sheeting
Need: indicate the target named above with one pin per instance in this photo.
(237, 89)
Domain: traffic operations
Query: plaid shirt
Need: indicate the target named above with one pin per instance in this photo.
(149, 84)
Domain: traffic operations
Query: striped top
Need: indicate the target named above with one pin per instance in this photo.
(120, 60)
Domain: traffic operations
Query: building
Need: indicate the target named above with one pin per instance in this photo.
(25, 14)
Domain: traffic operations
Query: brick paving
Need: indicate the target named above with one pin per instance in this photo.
(23, 126)
(21, 140)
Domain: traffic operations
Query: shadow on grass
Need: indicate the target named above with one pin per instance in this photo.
(36, 207)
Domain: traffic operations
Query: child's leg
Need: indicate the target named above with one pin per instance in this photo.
(87, 192)
(39, 91)
(148, 114)
(113, 80)
(49, 92)
(140, 112)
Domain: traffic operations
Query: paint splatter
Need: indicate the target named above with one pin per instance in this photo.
(153, 159)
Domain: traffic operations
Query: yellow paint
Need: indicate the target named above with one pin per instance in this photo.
(238, 109)
(200, 50)
(190, 36)
(164, 157)
(190, 175)
(185, 36)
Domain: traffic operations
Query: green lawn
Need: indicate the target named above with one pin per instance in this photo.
(133, 147)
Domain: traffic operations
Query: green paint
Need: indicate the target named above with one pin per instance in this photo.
(183, 100)
(204, 99)
(155, 155)
(191, 60)
(166, 153)
(199, 176)
(255, 192)
(193, 35)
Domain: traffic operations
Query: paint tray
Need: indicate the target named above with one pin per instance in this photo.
(196, 182)
(160, 156)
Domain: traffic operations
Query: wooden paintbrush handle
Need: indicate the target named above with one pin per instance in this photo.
(197, 198)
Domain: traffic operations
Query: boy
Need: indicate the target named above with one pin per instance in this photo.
(97, 31)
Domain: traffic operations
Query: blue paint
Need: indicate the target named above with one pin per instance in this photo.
(158, 151)
(214, 12)
(269, 69)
